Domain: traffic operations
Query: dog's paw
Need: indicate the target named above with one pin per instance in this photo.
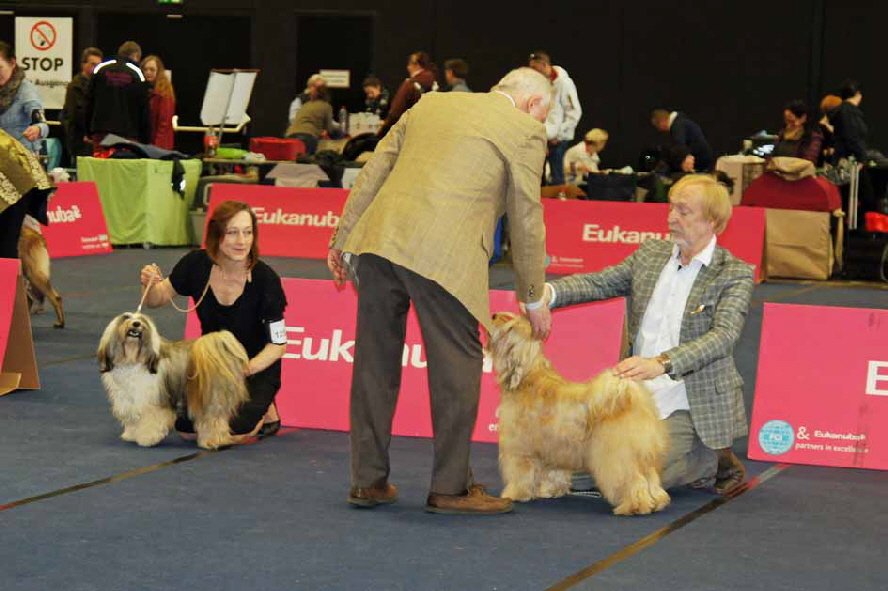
(661, 500)
(512, 492)
(127, 435)
(548, 490)
(213, 443)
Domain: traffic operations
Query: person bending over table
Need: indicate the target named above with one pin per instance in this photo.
(689, 298)
(237, 292)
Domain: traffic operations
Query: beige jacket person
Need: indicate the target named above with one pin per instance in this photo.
(430, 197)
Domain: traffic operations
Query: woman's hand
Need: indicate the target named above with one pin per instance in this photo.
(32, 133)
(150, 274)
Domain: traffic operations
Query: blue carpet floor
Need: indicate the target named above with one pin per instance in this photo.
(273, 514)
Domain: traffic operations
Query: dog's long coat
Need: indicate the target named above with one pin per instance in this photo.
(148, 379)
(550, 427)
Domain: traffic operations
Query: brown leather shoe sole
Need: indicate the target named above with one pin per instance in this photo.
(372, 496)
(471, 504)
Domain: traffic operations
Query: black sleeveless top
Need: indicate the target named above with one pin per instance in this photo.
(262, 302)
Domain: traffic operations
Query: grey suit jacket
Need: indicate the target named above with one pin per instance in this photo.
(713, 318)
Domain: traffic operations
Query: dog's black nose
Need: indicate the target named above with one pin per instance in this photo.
(136, 324)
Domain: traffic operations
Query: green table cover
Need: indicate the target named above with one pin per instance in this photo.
(138, 200)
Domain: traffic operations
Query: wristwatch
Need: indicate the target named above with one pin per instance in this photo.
(667, 363)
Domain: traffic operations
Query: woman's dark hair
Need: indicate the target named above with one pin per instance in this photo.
(6, 51)
(848, 88)
(798, 108)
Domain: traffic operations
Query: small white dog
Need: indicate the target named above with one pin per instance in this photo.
(148, 379)
(550, 427)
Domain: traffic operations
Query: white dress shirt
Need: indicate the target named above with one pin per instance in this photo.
(660, 328)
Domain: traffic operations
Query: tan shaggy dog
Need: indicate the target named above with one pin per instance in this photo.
(148, 379)
(35, 268)
(550, 427)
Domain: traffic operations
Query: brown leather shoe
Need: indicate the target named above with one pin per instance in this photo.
(731, 472)
(383, 493)
(473, 502)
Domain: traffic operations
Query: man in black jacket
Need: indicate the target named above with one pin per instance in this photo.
(685, 132)
(850, 133)
(117, 101)
(74, 111)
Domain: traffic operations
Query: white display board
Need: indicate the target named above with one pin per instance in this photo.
(44, 50)
(228, 93)
(336, 78)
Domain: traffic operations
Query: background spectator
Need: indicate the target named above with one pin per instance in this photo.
(687, 133)
(162, 100)
(800, 136)
(455, 72)
(313, 81)
(377, 97)
(851, 131)
(564, 114)
(21, 110)
(117, 101)
(74, 111)
(848, 122)
(827, 106)
(423, 77)
(583, 158)
(313, 119)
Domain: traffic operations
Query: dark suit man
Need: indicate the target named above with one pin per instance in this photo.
(420, 221)
(687, 133)
(688, 302)
(74, 111)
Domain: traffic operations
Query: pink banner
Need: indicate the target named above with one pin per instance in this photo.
(587, 236)
(9, 270)
(318, 364)
(76, 222)
(821, 395)
(293, 222)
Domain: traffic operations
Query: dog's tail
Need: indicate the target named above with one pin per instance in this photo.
(613, 396)
(216, 384)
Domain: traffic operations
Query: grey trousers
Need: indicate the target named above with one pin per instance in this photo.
(688, 459)
(454, 356)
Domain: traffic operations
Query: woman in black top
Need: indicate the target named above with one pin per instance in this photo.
(237, 292)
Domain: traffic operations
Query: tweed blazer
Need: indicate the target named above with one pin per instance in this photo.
(430, 196)
(713, 318)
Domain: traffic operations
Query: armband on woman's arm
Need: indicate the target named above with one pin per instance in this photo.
(277, 332)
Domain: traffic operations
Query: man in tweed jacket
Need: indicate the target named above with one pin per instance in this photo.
(421, 218)
(688, 302)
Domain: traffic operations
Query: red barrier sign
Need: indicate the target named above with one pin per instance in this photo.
(18, 365)
(293, 222)
(76, 222)
(587, 236)
(317, 367)
(821, 395)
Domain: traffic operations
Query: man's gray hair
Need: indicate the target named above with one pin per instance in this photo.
(526, 82)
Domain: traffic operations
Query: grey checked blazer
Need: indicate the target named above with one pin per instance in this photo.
(713, 318)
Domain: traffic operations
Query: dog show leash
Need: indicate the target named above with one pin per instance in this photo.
(153, 281)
